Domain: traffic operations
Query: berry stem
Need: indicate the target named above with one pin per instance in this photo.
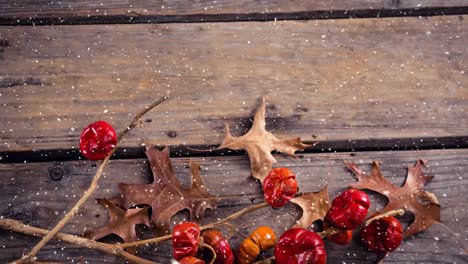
(232, 230)
(329, 231)
(380, 216)
(90, 189)
(266, 261)
(210, 248)
(17, 226)
(213, 225)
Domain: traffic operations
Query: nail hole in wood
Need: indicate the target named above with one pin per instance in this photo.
(172, 134)
(56, 173)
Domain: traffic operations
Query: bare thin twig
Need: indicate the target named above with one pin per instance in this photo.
(213, 225)
(329, 232)
(211, 249)
(266, 261)
(380, 216)
(91, 188)
(114, 249)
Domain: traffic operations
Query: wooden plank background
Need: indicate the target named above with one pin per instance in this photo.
(352, 84)
(327, 80)
(131, 11)
(45, 201)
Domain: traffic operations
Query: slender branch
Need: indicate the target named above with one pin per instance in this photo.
(43, 262)
(114, 249)
(329, 232)
(232, 230)
(213, 225)
(146, 241)
(266, 261)
(236, 215)
(380, 216)
(91, 188)
(211, 249)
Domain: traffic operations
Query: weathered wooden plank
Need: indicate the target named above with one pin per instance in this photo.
(70, 8)
(27, 193)
(119, 11)
(327, 80)
(392, 4)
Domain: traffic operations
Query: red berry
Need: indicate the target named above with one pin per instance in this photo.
(382, 235)
(97, 140)
(215, 239)
(348, 210)
(279, 187)
(341, 238)
(191, 260)
(300, 246)
(185, 239)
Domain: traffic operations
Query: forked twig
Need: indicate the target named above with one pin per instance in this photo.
(90, 189)
(114, 249)
(208, 226)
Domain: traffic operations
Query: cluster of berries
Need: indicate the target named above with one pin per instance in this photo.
(295, 246)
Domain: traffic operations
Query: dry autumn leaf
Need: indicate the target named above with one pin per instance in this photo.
(314, 207)
(121, 222)
(165, 194)
(259, 143)
(409, 197)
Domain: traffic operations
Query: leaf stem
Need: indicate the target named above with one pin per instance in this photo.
(91, 188)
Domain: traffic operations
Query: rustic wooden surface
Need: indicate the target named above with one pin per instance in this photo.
(352, 84)
(130, 11)
(45, 201)
(326, 80)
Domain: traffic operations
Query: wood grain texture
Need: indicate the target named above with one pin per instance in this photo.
(70, 8)
(395, 4)
(131, 11)
(28, 193)
(327, 80)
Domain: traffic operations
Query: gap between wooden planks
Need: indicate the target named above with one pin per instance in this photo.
(42, 203)
(327, 80)
(111, 11)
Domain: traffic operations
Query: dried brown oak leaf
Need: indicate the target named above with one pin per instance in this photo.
(259, 143)
(165, 194)
(410, 197)
(121, 222)
(314, 207)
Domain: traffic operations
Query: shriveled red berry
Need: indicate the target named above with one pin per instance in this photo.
(348, 210)
(300, 246)
(191, 260)
(185, 240)
(382, 235)
(97, 140)
(215, 239)
(279, 187)
(341, 238)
